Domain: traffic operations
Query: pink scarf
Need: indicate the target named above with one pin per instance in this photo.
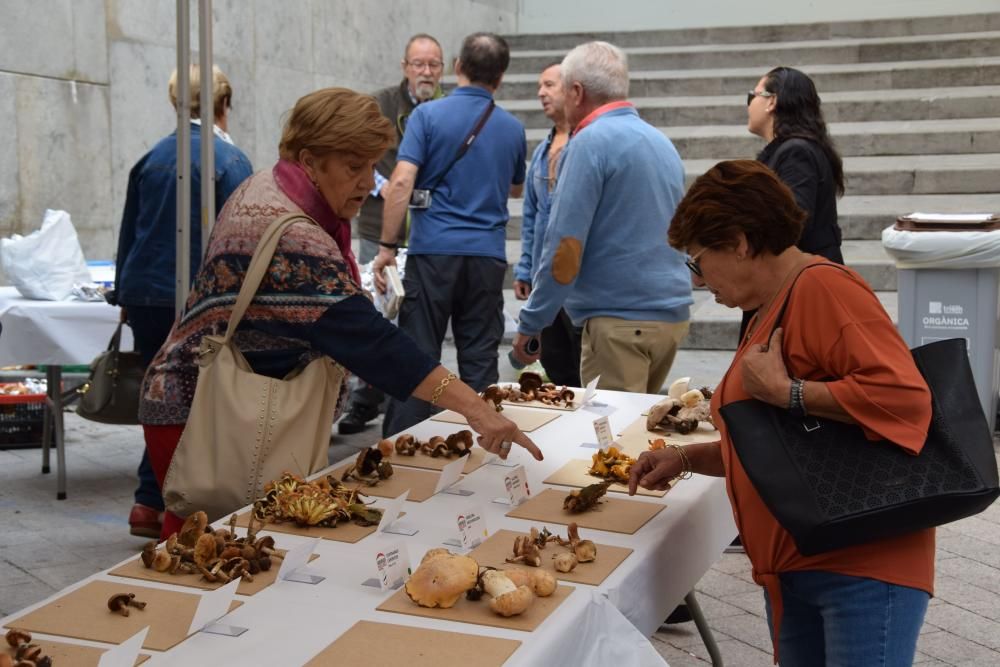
(294, 182)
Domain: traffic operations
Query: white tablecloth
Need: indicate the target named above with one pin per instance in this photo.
(606, 625)
(55, 332)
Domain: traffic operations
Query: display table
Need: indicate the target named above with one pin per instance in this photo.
(603, 625)
(55, 333)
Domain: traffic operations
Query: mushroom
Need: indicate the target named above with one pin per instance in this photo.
(148, 553)
(30, 652)
(406, 445)
(192, 529)
(494, 395)
(441, 579)
(564, 562)
(459, 443)
(525, 551)
(585, 550)
(660, 411)
(385, 446)
(204, 549)
(678, 387)
(691, 398)
(120, 602)
(543, 583)
(530, 381)
(162, 560)
(17, 637)
(508, 599)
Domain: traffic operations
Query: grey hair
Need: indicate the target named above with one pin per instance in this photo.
(601, 68)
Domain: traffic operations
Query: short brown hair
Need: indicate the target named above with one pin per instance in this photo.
(222, 92)
(336, 120)
(737, 196)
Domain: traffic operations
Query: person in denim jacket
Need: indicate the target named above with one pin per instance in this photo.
(146, 261)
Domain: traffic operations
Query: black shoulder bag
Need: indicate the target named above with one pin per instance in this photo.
(831, 487)
(421, 199)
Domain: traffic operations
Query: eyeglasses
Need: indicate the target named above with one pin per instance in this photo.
(753, 93)
(432, 65)
(692, 262)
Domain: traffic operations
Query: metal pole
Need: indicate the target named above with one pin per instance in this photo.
(207, 122)
(183, 256)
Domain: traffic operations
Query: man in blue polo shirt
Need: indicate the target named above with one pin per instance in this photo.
(456, 259)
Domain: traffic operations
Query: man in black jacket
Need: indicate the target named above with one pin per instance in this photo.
(423, 66)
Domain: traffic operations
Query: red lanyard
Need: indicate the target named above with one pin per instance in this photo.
(600, 111)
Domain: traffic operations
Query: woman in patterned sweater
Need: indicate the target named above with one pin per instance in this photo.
(310, 302)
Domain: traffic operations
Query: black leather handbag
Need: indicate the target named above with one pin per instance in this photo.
(111, 394)
(831, 487)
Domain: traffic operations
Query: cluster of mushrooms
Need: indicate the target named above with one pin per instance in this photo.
(581, 500)
(528, 548)
(218, 555)
(682, 410)
(443, 577)
(323, 502)
(370, 467)
(611, 464)
(453, 446)
(530, 388)
(22, 652)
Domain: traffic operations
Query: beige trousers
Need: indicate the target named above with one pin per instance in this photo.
(629, 355)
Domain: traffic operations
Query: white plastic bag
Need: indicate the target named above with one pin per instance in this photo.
(46, 263)
(942, 250)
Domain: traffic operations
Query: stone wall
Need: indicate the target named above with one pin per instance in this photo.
(83, 85)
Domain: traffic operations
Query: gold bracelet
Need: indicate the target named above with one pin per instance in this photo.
(686, 471)
(438, 390)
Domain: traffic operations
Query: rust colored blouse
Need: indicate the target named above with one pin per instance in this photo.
(834, 327)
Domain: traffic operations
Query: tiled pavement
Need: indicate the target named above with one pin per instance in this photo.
(46, 544)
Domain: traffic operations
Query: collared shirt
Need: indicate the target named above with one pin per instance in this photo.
(468, 214)
(535, 216)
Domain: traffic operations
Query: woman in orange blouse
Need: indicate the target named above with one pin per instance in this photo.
(860, 605)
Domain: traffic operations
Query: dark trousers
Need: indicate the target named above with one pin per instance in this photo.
(469, 292)
(150, 326)
(561, 350)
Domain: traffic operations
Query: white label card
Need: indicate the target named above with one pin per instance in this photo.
(392, 565)
(126, 653)
(472, 529)
(516, 484)
(213, 606)
(297, 557)
(591, 390)
(602, 427)
(450, 474)
(391, 511)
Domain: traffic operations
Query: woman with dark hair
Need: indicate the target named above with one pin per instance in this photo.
(834, 353)
(784, 109)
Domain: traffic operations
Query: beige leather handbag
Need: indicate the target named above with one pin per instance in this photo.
(245, 429)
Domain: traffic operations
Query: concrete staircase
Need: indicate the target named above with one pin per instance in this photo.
(913, 106)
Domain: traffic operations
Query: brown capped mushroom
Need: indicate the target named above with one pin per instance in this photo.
(28, 652)
(385, 446)
(406, 445)
(162, 560)
(192, 529)
(120, 602)
(17, 637)
(564, 562)
(204, 549)
(148, 553)
(508, 599)
(543, 583)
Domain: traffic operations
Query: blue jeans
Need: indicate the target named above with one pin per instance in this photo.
(835, 620)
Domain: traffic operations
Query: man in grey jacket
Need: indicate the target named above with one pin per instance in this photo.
(423, 66)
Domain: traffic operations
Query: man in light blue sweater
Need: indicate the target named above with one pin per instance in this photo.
(606, 258)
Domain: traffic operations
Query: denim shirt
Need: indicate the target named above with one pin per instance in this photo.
(145, 266)
(535, 218)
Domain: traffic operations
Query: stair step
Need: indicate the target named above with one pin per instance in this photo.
(966, 135)
(766, 54)
(838, 106)
(859, 76)
(713, 326)
(926, 25)
(906, 174)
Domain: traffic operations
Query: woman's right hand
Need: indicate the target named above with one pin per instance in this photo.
(496, 432)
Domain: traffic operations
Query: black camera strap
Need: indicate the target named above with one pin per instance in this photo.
(466, 144)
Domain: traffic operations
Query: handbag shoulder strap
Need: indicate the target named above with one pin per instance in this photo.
(116, 338)
(788, 294)
(258, 267)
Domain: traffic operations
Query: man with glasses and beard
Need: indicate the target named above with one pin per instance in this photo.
(423, 66)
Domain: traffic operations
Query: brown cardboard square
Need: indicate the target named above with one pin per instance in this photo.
(479, 612)
(494, 551)
(526, 419)
(371, 643)
(83, 614)
(134, 569)
(615, 515)
(349, 532)
(574, 473)
(421, 483)
(75, 655)
(475, 460)
(634, 440)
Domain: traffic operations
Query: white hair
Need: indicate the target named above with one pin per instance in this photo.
(601, 68)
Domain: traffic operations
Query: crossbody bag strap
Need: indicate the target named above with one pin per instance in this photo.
(258, 266)
(788, 295)
(466, 144)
